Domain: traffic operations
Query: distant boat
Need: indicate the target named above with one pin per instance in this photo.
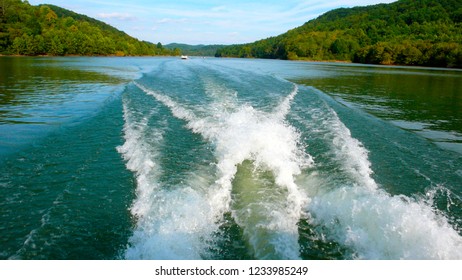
(184, 57)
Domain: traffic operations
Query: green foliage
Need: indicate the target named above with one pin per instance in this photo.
(406, 32)
(51, 30)
(194, 50)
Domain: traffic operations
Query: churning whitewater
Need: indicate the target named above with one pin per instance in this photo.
(233, 163)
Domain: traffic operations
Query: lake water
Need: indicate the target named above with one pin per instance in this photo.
(162, 158)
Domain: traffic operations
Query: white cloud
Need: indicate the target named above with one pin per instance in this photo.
(172, 20)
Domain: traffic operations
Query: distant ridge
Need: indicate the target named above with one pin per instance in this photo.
(406, 32)
(195, 50)
(52, 30)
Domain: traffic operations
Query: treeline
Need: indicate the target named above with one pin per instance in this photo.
(51, 30)
(195, 50)
(406, 32)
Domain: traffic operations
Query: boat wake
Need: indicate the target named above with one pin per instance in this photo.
(348, 207)
(271, 164)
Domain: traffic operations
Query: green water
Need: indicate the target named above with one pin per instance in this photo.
(428, 102)
(162, 158)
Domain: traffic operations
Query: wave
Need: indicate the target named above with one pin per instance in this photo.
(240, 133)
(273, 165)
(171, 224)
(348, 206)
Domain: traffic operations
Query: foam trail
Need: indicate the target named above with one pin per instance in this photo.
(356, 213)
(242, 133)
(174, 222)
(284, 107)
(139, 156)
(350, 153)
(380, 226)
(177, 228)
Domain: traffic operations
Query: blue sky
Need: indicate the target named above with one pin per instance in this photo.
(204, 21)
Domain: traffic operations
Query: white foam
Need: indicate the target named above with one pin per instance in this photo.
(359, 215)
(284, 107)
(239, 132)
(140, 158)
(178, 222)
(380, 226)
(346, 202)
(173, 222)
(348, 152)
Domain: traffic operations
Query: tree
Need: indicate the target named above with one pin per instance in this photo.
(5, 6)
(424, 32)
(340, 46)
(409, 55)
(55, 46)
(48, 29)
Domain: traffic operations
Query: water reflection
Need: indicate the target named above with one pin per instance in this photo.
(37, 94)
(28, 83)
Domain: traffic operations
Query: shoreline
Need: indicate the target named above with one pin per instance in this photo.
(295, 60)
(78, 55)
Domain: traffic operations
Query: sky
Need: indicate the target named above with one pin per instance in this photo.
(205, 21)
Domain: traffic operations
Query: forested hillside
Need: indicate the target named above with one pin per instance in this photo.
(406, 32)
(51, 30)
(197, 50)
